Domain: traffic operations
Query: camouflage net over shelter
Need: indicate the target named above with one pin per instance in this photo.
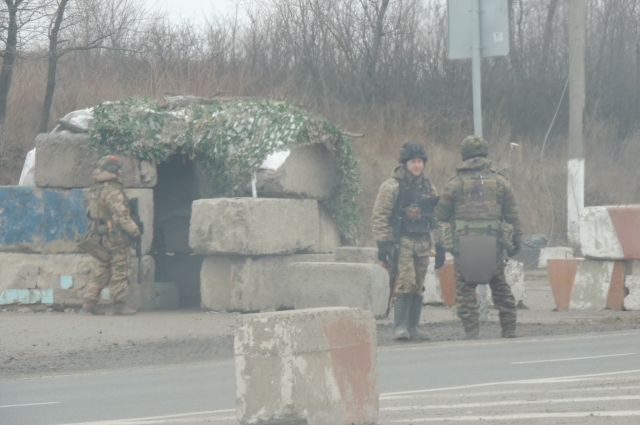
(231, 138)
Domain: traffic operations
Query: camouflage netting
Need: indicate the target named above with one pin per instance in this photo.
(231, 138)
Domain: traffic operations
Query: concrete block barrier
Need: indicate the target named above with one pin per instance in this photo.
(632, 300)
(167, 296)
(47, 221)
(329, 236)
(142, 296)
(309, 172)
(584, 284)
(555, 252)
(432, 289)
(364, 286)
(250, 284)
(65, 160)
(249, 226)
(61, 280)
(357, 254)
(611, 232)
(312, 367)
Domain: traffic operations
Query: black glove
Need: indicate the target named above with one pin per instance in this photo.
(440, 255)
(516, 248)
(384, 250)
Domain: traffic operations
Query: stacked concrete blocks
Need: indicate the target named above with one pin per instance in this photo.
(313, 367)
(610, 239)
(40, 262)
(364, 286)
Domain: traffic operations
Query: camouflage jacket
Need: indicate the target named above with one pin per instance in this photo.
(478, 192)
(385, 202)
(109, 192)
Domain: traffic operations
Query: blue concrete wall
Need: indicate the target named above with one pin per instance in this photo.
(31, 217)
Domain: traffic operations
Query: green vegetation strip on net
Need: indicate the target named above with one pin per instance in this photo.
(231, 138)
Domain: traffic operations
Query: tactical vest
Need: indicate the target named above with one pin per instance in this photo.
(416, 217)
(97, 210)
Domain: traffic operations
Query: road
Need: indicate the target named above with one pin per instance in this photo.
(534, 380)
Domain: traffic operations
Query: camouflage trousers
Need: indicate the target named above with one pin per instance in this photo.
(467, 301)
(412, 264)
(115, 273)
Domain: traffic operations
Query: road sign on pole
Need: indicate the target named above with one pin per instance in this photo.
(478, 29)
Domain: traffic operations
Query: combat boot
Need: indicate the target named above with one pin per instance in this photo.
(92, 309)
(414, 319)
(508, 333)
(401, 310)
(121, 310)
(472, 335)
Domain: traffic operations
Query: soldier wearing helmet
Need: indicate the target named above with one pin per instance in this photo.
(480, 206)
(109, 215)
(403, 217)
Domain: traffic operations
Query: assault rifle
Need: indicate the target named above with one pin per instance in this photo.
(137, 241)
(393, 272)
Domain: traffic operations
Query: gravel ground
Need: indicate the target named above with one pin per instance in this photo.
(45, 343)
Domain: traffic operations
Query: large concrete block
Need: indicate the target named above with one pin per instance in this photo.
(611, 232)
(142, 296)
(329, 236)
(514, 273)
(62, 279)
(364, 286)
(312, 367)
(65, 160)
(357, 254)
(249, 284)
(250, 226)
(47, 221)
(632, 300)
(553, 252)
(308, 172)
(585, 284)
(432, 290)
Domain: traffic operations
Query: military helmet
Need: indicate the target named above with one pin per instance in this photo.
(473, 146)
(412, 150)
(110, 163)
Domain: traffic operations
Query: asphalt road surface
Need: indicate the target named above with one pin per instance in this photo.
(556, 380)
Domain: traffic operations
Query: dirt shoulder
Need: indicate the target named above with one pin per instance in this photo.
(35, 344)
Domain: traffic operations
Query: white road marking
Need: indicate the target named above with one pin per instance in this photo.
(507, 392)
(29, 404)
(160, 419)
(449, 344)
(519, 382)
(511, 403)
(526, 416)
(574, 358)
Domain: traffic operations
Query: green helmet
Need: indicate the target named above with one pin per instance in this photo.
(109, 163)
(412, 150)
(473, 146)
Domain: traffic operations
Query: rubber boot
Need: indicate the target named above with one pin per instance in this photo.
(401, 317)
(414, 319)
(121, 310)
(92, 309)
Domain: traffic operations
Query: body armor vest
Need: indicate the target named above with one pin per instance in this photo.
(411, 206)
(97, 210)
(481, 197)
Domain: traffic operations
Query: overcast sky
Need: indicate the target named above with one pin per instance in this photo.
(196, 9)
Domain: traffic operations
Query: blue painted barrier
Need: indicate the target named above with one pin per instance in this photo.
(36, 220)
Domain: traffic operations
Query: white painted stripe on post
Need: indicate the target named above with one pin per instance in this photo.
(574, 358)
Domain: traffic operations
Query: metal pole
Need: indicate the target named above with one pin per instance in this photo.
(476, 65)
(575, 165)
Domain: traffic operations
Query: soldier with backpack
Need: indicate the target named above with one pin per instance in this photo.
(480, 206)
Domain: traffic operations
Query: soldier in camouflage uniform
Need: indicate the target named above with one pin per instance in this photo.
(479, 201)
(109, 209)
(403, 214)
